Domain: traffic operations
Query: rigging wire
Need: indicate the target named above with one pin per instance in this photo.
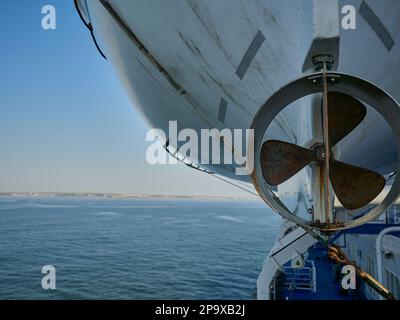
(89, 26)
(233, 184)
(199, 168)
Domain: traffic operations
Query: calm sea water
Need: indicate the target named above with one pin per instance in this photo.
(133, 249)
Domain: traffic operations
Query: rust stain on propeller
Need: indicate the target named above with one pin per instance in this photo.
(281, 160)
(345, 113)
(355, 187)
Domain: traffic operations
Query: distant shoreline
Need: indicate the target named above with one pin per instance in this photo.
(121, 196)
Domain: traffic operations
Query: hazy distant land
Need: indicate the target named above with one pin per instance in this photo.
(120, 196)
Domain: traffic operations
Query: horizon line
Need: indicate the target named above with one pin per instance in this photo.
(118, 195)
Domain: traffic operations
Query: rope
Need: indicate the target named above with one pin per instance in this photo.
(90, 28)
(336, 255)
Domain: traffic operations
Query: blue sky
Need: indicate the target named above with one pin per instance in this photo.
(65, 122)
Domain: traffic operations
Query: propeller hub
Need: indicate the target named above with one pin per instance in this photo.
(319, 153)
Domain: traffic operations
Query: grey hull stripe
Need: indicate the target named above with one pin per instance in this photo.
(222, 110)
(380, 30)
(250, 54)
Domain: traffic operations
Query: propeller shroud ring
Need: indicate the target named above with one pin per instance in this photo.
(359, 88)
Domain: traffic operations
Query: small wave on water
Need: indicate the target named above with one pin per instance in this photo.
(9, 207)
(143, 216)
(129, 207)
(229, 218)
(171, 220)
(106, 213)
(42, 205)
(36, 205)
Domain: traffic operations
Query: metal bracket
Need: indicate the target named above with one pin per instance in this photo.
(319, 60)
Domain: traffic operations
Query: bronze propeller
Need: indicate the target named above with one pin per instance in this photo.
(354, 186)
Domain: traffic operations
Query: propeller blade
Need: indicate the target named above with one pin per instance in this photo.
(281, 160)
(345, 113)
(354, 186)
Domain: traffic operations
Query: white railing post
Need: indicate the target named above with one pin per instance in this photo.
(379, 251)
(314, 277)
